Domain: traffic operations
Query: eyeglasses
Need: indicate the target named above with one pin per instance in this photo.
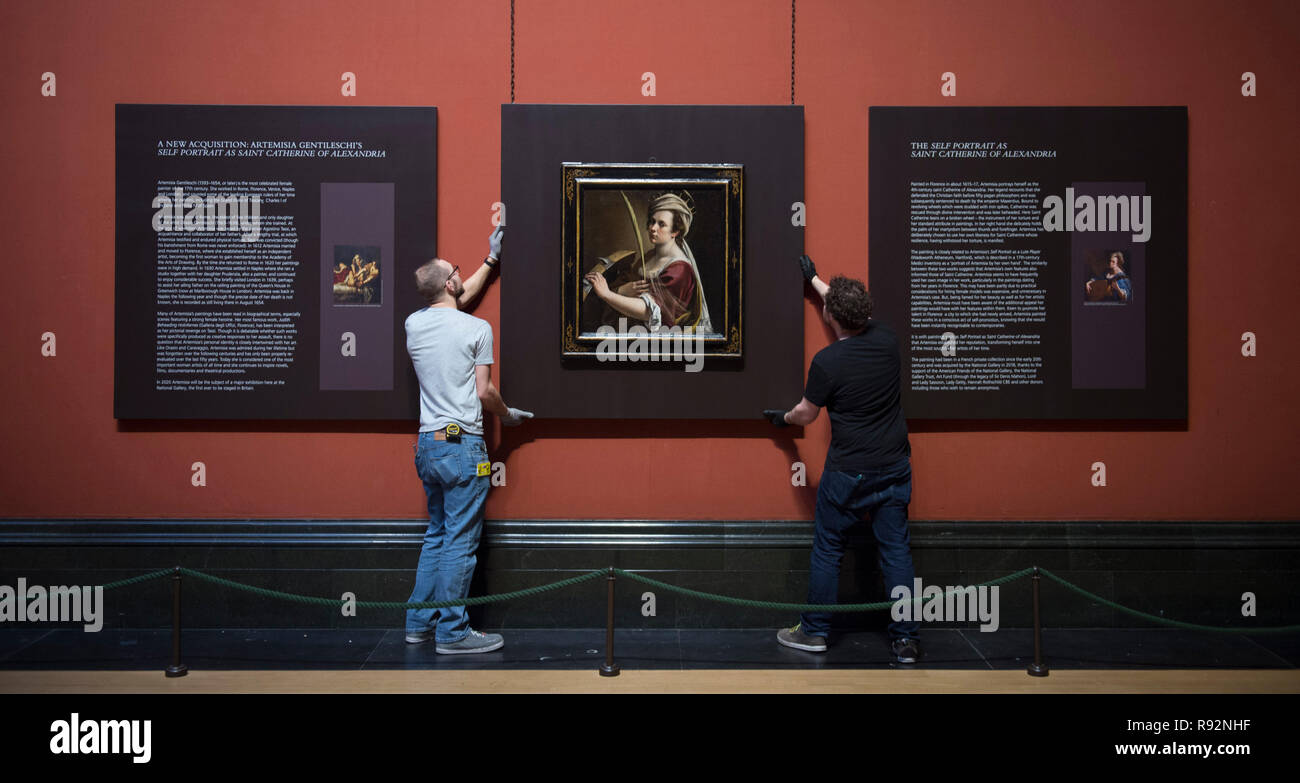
(454, 270)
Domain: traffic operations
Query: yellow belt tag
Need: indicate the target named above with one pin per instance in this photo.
(484, 468)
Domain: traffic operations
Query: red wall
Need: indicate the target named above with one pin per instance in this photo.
(65, 455)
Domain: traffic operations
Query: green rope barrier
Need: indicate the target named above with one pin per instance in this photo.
(871, 607)
(725, 599)
(337, 602)
(1165, 620)
(141, 578)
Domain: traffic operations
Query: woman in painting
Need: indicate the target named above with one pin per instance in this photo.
(368, 273)
(663, 288)
(1115, 286)
(355, 273)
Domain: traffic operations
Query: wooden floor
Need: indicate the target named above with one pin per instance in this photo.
(697, 681)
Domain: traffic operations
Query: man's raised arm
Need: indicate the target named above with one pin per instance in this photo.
(474, 285)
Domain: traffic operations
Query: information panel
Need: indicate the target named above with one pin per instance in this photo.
(1033, 260)
(265, 259)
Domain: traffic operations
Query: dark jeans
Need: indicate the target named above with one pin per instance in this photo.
(842, 500)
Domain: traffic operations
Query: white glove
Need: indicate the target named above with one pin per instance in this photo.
(494, 242)
(515, 417)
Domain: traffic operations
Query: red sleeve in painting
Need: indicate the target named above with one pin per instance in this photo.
(679, 282)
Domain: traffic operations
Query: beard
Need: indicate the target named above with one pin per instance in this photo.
(460, 289)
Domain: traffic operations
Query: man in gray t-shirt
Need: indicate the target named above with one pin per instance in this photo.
(452, 355)
(446, 346)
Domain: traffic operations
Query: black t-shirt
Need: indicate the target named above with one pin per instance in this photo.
(857, 381)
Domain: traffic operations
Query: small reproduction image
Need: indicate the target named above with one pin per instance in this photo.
(356, 275)
(1108, 278)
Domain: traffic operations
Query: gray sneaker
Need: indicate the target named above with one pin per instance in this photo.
(793, 637)
(475, 642)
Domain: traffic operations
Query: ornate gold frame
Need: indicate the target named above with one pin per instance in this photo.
(728, 338)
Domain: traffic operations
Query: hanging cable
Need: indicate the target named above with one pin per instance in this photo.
(512, 51)
(792, 2)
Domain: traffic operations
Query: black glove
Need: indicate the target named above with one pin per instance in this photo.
(777, 417)
(806, 266)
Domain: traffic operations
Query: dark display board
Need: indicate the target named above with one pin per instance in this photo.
(265, 258)
(1033, 260)
(536, 143)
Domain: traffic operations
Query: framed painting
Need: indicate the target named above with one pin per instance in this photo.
(652, 255)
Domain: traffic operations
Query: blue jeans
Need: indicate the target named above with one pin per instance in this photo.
(456, 494)
(842, 500)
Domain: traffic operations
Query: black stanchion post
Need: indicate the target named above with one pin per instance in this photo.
(1037, 668)
(177, 669)
(609, 669)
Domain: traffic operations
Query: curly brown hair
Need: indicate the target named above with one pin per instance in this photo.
(849, 303)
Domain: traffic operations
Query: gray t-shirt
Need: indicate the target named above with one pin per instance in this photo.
(445, 345)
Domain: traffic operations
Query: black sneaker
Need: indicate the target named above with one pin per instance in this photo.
(793, 637)
(906, 650)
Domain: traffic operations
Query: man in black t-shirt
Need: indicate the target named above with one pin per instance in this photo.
(868, 467)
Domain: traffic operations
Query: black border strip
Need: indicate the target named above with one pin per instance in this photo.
(658, 533)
